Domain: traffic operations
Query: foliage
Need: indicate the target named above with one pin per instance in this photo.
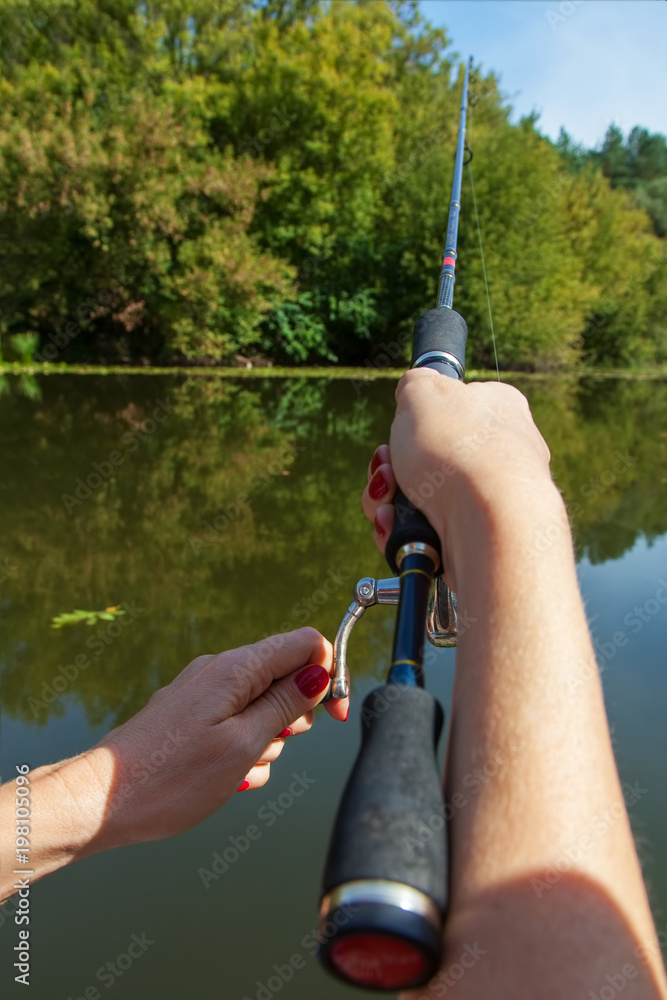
(638, 164)
(24, 346)
(89, 617)
(197, 182)
(626, 325)
(133, 228)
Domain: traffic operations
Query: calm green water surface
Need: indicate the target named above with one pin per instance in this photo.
(140, 532)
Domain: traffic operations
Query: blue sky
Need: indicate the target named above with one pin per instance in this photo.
(581, 64)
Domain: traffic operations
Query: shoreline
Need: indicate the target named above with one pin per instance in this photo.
(358, 374)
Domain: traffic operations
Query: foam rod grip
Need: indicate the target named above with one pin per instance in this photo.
(410, 525)
(391, 820)
(440, 330)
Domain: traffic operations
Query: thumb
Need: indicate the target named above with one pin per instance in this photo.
(285, 701)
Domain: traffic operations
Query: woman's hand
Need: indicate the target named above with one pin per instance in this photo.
(472, 459)
(463, 454)
(213, 731)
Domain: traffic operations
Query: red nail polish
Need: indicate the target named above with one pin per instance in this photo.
(283, 735)
(312, 680)
(378, 527)
(377, 486)
(376, 461)
(242, 788)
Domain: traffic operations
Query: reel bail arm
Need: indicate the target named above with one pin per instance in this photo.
(441, 626)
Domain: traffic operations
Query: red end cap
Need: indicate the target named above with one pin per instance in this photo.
(377, 960)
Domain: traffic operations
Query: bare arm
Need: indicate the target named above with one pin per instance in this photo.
(547, 898)
(212, 732)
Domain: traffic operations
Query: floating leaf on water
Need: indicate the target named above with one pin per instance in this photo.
(89, 617)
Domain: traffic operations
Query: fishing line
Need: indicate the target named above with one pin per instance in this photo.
(481, 250)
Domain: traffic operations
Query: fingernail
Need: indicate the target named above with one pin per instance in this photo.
(377, 486)
(312, 680)
(376, 461)
(285, 733)
(242, 788)
(379, 529)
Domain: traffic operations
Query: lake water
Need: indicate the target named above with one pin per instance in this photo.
(299, 450)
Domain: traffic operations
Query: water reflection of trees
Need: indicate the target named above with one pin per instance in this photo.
(298, 451)
(608, 441)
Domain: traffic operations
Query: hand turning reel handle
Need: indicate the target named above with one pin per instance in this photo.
(384, 892)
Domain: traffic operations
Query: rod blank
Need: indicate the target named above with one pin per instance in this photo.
(448, 275)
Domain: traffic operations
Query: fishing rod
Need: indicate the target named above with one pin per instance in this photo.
(384, 890)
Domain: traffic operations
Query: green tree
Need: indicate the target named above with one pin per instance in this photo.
(637, 164)
(133, 229)
(194, 181)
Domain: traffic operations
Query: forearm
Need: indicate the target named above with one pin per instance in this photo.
(68, 804)
(224, 720)
(543, 866)
(544, 878)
